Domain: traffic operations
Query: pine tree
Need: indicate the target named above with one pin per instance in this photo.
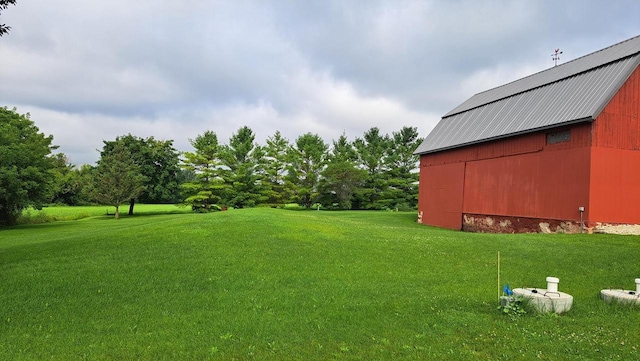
(307, 159)
(274, 166)
(207, 186)
(242, 159)
(341, 178)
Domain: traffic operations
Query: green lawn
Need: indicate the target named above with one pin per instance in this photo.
(53, 214)
(302, 285)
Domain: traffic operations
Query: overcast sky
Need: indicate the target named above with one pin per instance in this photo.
(90, 70)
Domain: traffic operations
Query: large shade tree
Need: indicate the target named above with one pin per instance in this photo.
(25, 165)
(158, 161)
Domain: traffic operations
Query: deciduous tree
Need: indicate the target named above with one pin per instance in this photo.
(25, 165)
(3, 5)
(158, 162)
(68, 182)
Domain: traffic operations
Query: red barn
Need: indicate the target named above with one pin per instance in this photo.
(555, 151)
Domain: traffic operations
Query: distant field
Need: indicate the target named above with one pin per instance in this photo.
(62, 213)
(305, 285)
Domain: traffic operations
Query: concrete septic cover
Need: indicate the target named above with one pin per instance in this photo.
(545, 301)
(622, 296)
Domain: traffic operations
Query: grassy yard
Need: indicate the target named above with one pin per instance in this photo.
(302, 285)
(53, 214)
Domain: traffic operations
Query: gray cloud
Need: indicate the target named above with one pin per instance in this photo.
(89, 71)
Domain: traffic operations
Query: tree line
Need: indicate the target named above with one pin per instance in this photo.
(375, 171)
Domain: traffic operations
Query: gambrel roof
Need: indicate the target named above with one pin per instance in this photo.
(576, 91)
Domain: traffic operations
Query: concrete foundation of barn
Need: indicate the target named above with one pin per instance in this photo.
(503, 224)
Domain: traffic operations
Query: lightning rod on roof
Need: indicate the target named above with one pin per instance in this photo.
(556, 57)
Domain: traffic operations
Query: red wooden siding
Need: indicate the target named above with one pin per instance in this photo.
(615, 186)
(618, 126)
(499, 148)
(548, 185)
(615, 169)
(440, 199)
(526, 176)
(521, 177)
(527, 143)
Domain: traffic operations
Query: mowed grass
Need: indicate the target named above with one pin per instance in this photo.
(63, 213)
(271, 284)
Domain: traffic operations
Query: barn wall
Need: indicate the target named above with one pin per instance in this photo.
(523, 176)
(499, 148)
(526, 176)
(618, 126)
(523, 144)
(615, 173)
(440, 195)
(545, 185)
(615, 186)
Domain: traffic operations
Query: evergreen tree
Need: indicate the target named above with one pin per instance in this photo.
(403, 169)
(306, 161)
(242, 159)
(275, 169)
(373, 150)
(207, 185)
(341, 178)
(117, 178)
(343, 150)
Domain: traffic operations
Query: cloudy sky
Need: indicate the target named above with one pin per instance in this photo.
(90, 70)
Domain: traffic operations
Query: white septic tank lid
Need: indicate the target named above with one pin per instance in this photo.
(622, 295)
(546, 299)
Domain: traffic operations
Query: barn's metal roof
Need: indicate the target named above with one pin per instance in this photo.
(572, 92)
